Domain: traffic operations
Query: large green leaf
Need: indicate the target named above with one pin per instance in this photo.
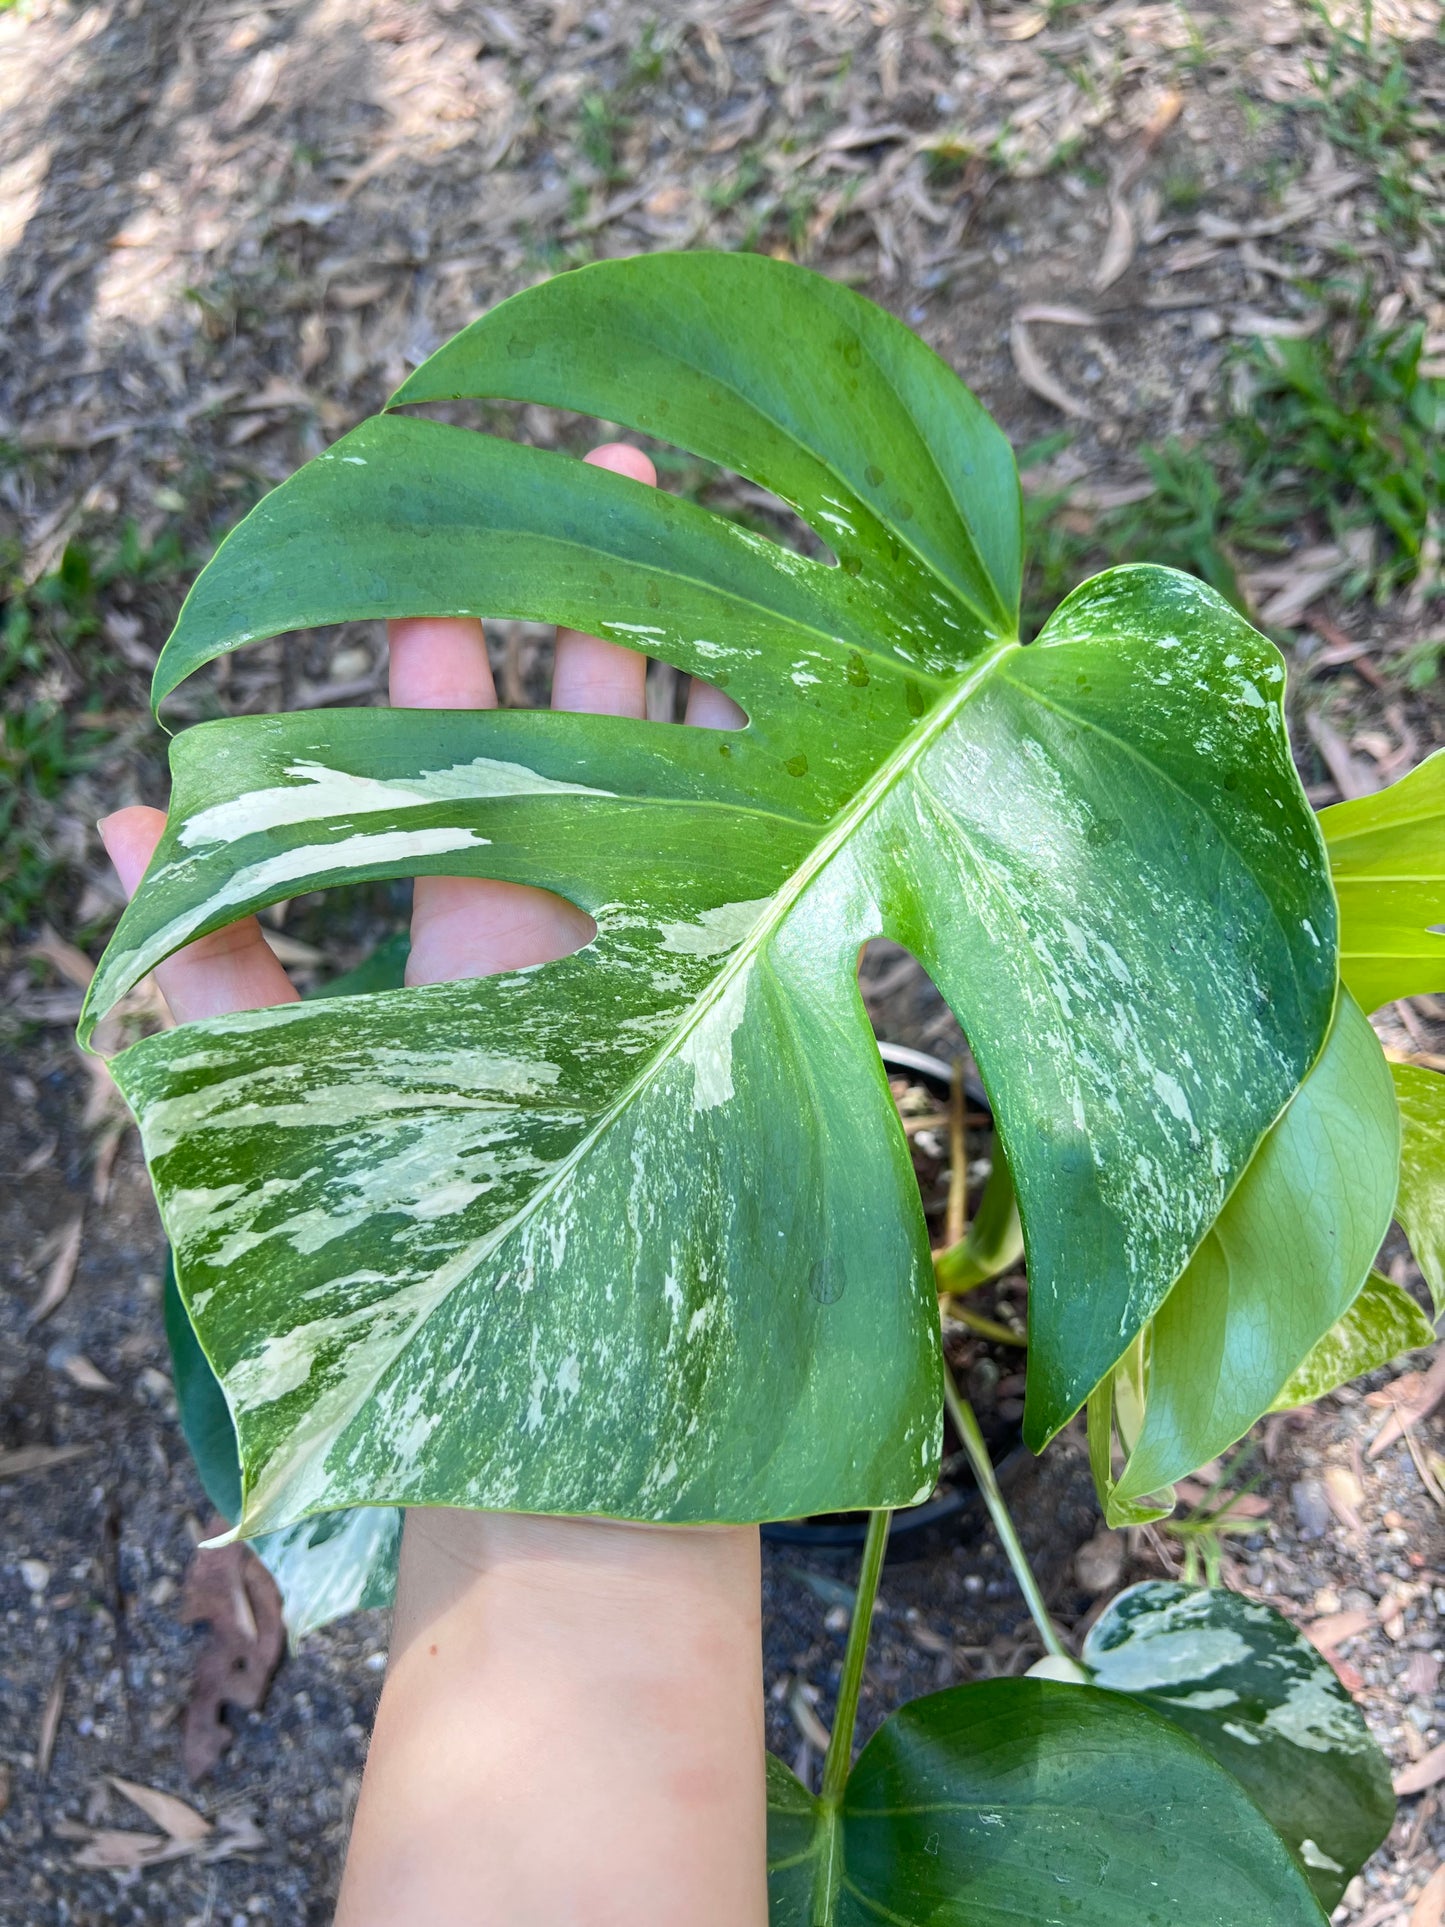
(1280, 1266)
(1383, 1322)
(1261, 1701)
(1387, 853)
(1420, 1206)
(1029, 1801)
(637, 1232)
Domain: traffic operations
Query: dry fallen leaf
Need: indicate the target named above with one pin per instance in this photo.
(228, 1589)
(72, 964)
(806, 1720)
(1165, 113)
(171, 1814)
(1352, 777)
(1409, 1407)
(1059, 313)
(90, 1378)
(61, 1272)
(1335, 1628)
(117, 1851)
(252, 93)
(38, 1458)
(50, 1720)
(185, 1833)
(1035, 375)
(1118, 247)
(38, 1158)
(1345, 1495)
(1424, 1773)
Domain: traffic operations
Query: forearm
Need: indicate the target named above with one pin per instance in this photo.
(571, 1730)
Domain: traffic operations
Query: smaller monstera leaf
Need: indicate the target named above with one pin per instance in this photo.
(1387, 856)
(1281, 1266)
(1026, 1800)
(1261, 1701)
(637, 1232)
(1383, 1322)
(1420, 1207)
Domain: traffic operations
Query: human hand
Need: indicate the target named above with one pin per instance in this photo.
(530, 1653)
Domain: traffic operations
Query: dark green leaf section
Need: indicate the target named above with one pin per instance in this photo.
(1387, 855)
(205, 1420)
(1029, 1801)
(1383, 1322)
(1280, 1266)
(1421, 1203)
(859, 427)
(1259, 1699)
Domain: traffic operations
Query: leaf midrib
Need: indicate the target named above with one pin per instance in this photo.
(843, 827)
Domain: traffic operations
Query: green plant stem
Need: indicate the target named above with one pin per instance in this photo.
(966, 1425)
(839, 1757)
(987, 1327)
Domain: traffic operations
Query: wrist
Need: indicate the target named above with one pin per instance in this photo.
(607, 1572)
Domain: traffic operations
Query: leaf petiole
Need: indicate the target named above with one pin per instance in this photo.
(966, 1425)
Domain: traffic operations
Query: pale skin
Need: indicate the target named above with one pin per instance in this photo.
(571, 1731)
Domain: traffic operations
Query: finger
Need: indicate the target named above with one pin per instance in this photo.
(470, 926)
(232, 969)
(603, 677)
(709, 708)
(439, 662)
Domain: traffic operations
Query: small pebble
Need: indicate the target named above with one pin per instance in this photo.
(1311, 1508)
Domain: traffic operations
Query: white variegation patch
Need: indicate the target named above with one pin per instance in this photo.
(317, 794)
(267, 878)
(715, 931)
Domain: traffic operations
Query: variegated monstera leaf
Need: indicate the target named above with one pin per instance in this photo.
(636, 1232)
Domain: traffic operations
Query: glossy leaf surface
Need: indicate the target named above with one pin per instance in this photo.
(1420, 1206)
(1280, 1267)
(1383, 1322)
(1387, 854)
(1026, 1800)
(1260, 1700)
(637, 1232)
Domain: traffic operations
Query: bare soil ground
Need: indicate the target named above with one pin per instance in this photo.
(226, 232)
